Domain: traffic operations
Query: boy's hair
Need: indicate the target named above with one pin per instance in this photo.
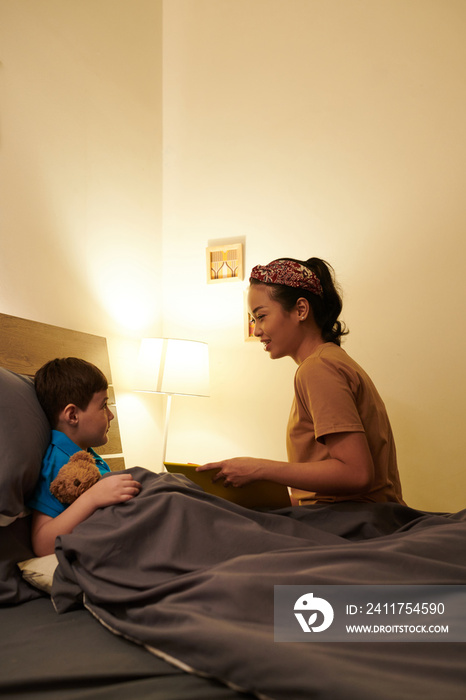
(67, 380)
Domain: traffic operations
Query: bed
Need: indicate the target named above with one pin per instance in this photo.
(171, 596)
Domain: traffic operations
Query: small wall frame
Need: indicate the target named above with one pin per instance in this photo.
(224, 263)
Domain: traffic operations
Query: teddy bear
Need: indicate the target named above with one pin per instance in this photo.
(75, 477)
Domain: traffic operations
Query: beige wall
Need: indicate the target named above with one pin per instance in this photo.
(300, 127)
(334, 129)
(81, 170)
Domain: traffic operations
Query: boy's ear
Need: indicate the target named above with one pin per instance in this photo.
(70, 414)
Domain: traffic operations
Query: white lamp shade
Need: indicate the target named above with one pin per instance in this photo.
(170, 366)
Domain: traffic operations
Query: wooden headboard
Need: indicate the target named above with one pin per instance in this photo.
(26, 345)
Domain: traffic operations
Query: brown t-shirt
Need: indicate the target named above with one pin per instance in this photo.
(333, 394)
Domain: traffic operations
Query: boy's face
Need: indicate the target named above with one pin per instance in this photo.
(94, 422)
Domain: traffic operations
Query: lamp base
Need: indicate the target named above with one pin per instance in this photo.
(168, 406)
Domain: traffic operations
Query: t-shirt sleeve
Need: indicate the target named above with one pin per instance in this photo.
(328, 391)
(42, 500)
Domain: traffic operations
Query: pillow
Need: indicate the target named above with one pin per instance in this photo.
(14, 547)
(39, 571)
(24, 436)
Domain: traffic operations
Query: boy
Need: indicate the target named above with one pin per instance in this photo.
(73, 394)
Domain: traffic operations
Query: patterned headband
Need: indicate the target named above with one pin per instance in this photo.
(289, 273)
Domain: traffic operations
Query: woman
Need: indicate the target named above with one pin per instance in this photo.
(339, 440)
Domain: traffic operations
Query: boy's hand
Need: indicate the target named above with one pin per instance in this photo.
(116, 488)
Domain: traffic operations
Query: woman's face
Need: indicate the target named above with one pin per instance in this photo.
(276, 328)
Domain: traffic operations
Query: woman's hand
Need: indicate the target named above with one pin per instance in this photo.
(235, 472)
(348, 469)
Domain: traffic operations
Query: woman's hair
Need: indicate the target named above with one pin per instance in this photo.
(67, 380)
(326, 307)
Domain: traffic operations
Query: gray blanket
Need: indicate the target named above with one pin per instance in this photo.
(191, 577)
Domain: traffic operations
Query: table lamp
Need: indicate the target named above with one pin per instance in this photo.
(170, 366)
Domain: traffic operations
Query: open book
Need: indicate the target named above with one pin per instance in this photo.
(259, 494)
